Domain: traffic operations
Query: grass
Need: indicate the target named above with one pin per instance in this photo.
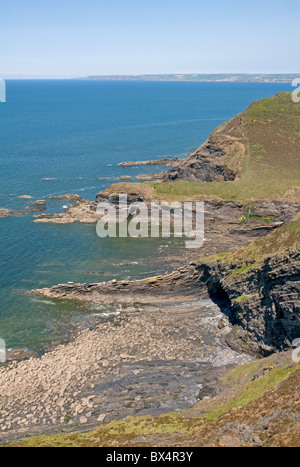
(270, 132)
(297, 217)
(115, 433)
(241, 387)
(279, 241)
(242, 298)
(253, 391)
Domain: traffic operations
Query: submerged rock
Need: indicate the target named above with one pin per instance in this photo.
(68, 197)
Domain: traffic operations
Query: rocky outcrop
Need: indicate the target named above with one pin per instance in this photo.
(257, 287)
(150, 177)
(183, 284)
(81, 211)
(217, 160)
(263, 304)
(35, 207)
(150, 162)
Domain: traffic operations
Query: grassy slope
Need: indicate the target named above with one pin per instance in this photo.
(243, 390)
(279, 242)
(270, 167)
(271, 164)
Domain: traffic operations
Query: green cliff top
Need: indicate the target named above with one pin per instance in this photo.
(270, 166)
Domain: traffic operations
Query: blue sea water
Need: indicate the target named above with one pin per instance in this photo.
(74, 132)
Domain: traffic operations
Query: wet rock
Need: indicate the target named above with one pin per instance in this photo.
(20, 354)
(40, 202)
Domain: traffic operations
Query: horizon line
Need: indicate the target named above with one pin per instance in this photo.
(142, 76)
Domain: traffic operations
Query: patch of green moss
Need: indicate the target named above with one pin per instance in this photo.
(115, 433)
(242, 298)
(214, 258)
(240, 271)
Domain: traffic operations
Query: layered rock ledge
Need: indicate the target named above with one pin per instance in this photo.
(257, 287)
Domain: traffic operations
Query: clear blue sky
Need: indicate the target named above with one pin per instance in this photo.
(68, 38)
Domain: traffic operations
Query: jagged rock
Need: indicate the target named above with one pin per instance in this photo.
(267, 315)
(217, 160)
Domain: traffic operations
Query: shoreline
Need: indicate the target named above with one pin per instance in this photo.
(200, 78)
(110, 373)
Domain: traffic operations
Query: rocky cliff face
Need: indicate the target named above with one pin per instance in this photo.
(263, 304)
(217, 160)
(258, 287)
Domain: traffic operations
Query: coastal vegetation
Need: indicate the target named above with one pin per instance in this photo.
(258, 389)
(270, 164)
(282, 240)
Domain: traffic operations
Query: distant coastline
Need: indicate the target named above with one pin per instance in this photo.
(231, 78)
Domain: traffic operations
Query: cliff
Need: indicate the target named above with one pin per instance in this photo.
(258, 287)
(256, 155)
(260, 144)
(219, 159)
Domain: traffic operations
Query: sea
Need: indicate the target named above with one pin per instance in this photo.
(59, 137)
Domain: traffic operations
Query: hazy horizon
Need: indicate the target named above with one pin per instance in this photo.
(66, 39)
(83, 77)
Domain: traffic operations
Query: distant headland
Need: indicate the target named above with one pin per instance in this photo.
(233, 78)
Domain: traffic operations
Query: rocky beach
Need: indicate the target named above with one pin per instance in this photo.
(148, 360)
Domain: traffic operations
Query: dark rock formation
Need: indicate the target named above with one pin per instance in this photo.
(35, 207)
(262, 304)
(217, 160)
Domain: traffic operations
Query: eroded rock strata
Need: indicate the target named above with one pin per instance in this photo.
(217, 160)
(263, 304)
(257, 287)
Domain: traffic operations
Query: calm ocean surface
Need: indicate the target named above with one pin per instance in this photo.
(70, 129)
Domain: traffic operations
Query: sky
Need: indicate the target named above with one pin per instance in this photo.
(77, 38)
